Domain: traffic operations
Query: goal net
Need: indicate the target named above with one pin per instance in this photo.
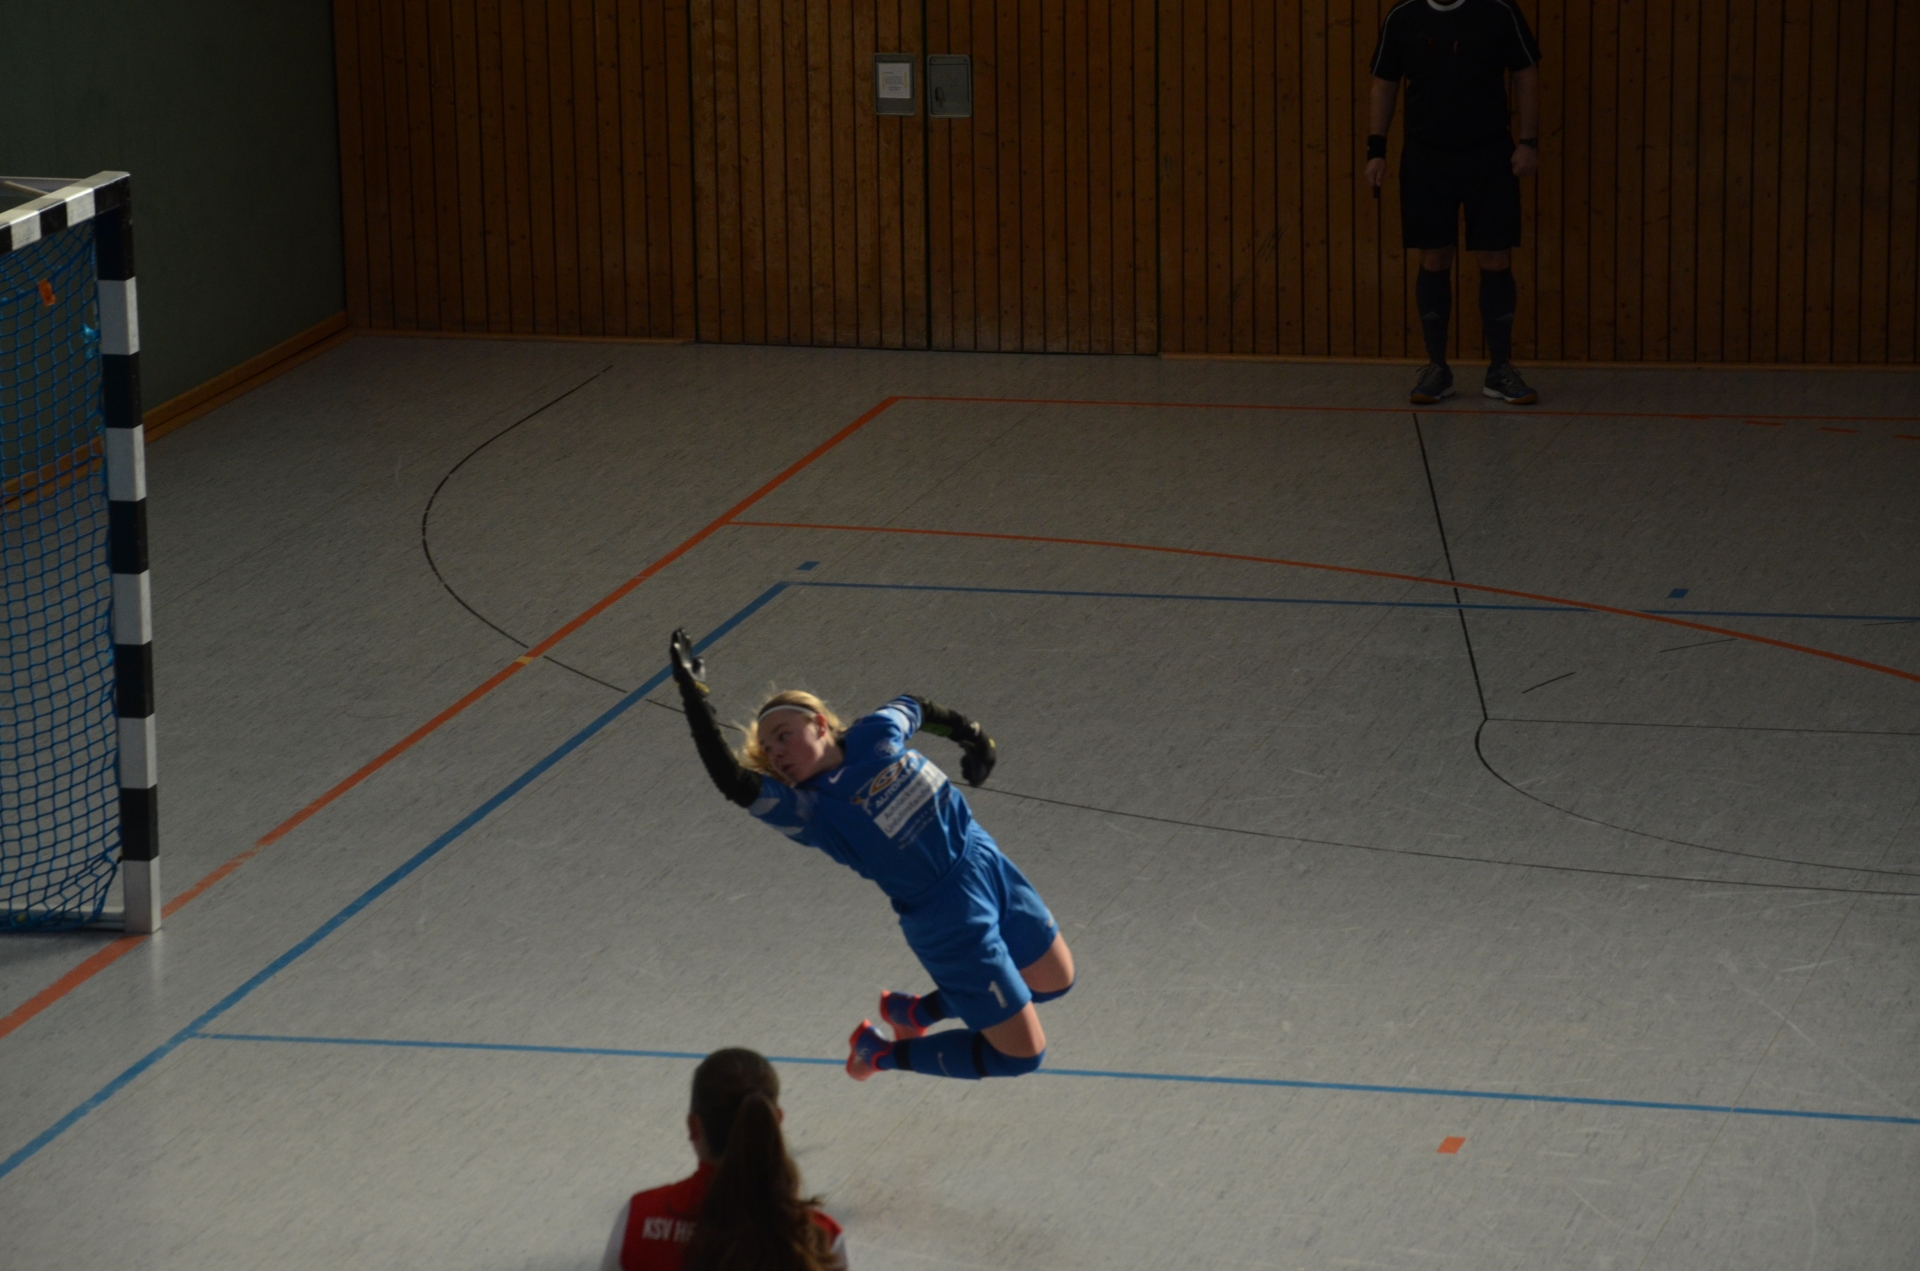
(76, 715)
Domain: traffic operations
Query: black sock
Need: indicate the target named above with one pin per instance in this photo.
(930, 1009)
(1433, 293)
(1498, 300)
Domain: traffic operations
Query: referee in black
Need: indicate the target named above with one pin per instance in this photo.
(1455, 56)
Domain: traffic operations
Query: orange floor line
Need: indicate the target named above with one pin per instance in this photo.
(1459, 408)
(1353, 569)
(572, 625)
(100, 960)
(105, 957)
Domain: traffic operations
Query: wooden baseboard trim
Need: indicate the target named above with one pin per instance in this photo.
(1530, 363)
(385, 332)
(1295, 359)
(246, 377)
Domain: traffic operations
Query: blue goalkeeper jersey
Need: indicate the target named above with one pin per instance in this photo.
(887, 813)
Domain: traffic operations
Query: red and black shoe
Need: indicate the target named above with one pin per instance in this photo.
(864, 1051)
(896, 1012)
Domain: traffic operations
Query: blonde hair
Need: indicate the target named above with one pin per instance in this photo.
(751, 756)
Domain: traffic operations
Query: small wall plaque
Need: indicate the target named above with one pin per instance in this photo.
(949, 85)
(894, 92)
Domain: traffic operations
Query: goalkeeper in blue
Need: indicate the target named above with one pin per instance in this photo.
(862, 796)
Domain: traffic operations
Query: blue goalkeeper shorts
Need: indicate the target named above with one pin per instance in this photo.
(974, 930)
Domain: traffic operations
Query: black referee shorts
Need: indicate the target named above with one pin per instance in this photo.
(1433, 185)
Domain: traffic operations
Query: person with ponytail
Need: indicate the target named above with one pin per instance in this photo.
(741, 1210)
(859, 794)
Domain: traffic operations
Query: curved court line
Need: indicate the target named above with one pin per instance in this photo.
(1561, 601)
(1444, 856)
(1272, 1083)
(1725, 728)
(114, 951)
(567, 628)
(1502, 778)
(426, 517)
(1461, 409)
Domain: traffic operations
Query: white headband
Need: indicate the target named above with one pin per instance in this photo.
(785, 706)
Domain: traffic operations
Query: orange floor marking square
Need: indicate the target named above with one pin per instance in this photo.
(1451, 1144)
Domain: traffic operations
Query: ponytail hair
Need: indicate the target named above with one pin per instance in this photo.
(754, 1218)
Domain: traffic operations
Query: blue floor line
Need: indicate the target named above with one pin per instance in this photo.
(1353, 1087)
(1364, 604)
(1154, 595)
(333, 924)
(523, 1048)
(1770, 613)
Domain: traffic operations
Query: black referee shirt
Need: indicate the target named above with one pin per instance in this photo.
(1455, 58)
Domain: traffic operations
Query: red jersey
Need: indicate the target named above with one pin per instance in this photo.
(654, 1227)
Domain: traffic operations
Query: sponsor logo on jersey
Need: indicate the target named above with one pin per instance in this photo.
(886, 777)
(676, 1229)
(904, 798)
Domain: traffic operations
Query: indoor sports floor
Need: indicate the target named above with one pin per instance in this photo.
(1566, 918)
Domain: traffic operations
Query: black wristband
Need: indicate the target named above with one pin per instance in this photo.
(943, 722)
(1531, 143)
(1376, 145)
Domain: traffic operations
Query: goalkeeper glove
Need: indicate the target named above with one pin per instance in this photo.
(689, 672)
(976, 755)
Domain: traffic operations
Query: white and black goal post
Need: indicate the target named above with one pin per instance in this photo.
(77, 776)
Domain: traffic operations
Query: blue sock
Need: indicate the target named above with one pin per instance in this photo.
(957, 1053)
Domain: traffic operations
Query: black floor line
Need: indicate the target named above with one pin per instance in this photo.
(1486, 718)
(1699, 644)
(1436, 856)
(1501, 777)
(1724, 728)
(426, 546)
(1447, 550)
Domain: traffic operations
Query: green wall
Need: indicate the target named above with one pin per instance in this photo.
(223, 111)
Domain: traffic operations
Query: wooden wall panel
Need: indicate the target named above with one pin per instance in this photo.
(1042, 231)
(1723, 180)
(517, 165)
(810, 210)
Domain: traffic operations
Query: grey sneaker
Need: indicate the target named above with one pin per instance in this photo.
(1435, 382)
(1504, 382)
